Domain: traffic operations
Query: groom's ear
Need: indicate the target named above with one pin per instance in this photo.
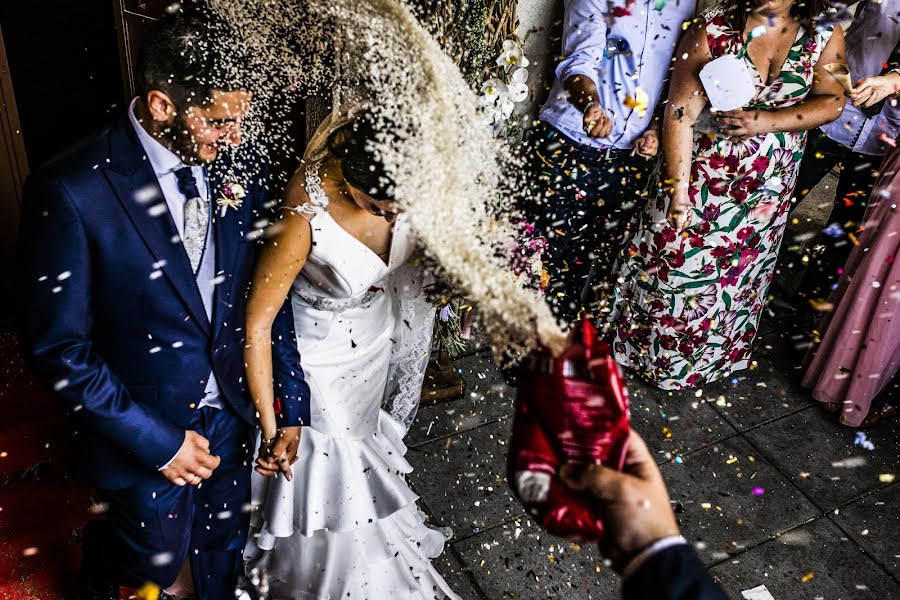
(160, 106)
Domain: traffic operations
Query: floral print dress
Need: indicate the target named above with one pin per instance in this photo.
(689, 303)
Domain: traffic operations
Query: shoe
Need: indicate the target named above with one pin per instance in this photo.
(878, 414)
(98, 591)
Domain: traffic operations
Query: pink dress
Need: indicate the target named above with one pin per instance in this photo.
(860, 350)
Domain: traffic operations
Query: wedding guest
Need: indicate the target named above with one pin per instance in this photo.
(697, 271)
(596, 136)
(643, 541)
(133, 277)
(856, 141)
(854, 369)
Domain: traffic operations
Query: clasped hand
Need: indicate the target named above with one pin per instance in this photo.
(278, 454)
(596, 123)
(193, 463)
(738, 125)
(872, 90)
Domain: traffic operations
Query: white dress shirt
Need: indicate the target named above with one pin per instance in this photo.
(164, 163)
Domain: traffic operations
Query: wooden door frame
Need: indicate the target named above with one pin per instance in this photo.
(9, 123)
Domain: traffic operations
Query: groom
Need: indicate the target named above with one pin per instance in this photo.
(136, 252)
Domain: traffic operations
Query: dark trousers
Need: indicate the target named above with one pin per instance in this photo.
(585, 199)
(152, 527)
(858, 173)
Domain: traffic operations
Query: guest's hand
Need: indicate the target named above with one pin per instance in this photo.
(634, 503)
(648, 144)
(597, 123)
(193, 463)
(741, 124)
(277, 456)
(872, 90)
(679, 214)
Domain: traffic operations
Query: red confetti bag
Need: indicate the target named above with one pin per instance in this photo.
(572, 408)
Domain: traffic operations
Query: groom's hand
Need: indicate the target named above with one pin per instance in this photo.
(279, 457)
(193, 463)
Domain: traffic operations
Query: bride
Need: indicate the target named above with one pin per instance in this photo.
(342, 522)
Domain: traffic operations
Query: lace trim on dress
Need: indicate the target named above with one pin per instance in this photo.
(318, 201)
(412, 345)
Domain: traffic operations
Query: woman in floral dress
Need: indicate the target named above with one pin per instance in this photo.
(695, 276)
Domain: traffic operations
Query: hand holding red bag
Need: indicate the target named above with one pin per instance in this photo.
(570, 408)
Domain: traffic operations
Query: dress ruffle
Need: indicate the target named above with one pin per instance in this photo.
(339, 484)
(347, 526)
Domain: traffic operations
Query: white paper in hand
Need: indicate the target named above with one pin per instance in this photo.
(727, 82)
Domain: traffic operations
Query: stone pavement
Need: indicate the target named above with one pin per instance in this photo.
(770, 489)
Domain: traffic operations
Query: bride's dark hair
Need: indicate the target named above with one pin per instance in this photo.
(351, 145)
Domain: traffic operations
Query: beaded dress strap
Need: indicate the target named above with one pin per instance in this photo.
(318, 201)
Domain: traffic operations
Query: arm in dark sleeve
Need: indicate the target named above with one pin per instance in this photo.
(675, 573)
(291, 389)
(54, 279)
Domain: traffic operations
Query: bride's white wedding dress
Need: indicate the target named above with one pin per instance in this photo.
(347, 526)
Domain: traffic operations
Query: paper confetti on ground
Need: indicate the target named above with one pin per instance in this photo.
(758, 593)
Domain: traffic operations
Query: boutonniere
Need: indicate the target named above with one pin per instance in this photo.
(232, 197)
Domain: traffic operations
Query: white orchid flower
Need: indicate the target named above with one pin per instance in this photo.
(518, 88)
(506, 107)
(494, 90)
(512, 56)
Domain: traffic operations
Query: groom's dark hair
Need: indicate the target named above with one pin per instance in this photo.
(184, 56)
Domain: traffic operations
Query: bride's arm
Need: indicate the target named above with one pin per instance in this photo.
(281, 259)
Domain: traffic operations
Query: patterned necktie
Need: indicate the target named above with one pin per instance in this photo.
(196, 216)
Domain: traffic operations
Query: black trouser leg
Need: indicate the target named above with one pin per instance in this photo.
(587, 199)
(858, 173)
(98, 568)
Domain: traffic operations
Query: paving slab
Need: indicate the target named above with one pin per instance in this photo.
(761, 394)
(874, 523)
(728, 498)
(462, 479)
(813, 562)
(820, 457)
(487, 398)
(457, 575)
(518, 560)
(674, 422)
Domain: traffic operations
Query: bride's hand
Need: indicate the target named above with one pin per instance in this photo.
(277, 455)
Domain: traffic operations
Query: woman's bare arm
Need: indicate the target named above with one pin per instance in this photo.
(823, 104)
(686, 101)
(281, 259)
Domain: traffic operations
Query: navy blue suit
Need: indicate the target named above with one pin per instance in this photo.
(675, 573)
(113, 319)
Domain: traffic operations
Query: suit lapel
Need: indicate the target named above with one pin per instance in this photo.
(134, 182)
(226, 228)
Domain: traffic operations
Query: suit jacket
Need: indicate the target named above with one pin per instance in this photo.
(675, 573)
(112, 317)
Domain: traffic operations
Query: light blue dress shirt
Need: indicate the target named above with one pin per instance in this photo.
(619, 54)
(164, 163)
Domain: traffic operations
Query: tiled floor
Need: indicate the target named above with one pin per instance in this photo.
(771, 490)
